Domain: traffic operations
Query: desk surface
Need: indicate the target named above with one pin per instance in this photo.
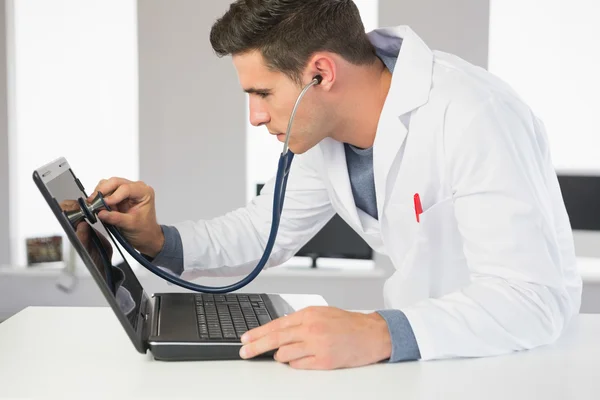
(84, 353)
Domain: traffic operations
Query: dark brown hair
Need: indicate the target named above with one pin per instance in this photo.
(288, 32)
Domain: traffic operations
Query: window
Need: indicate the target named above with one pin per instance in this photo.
(548, 52)
(73, 93)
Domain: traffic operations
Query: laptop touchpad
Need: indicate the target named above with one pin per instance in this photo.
(177, 318)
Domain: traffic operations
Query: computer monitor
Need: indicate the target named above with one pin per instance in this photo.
(335, 240)
(581, 194)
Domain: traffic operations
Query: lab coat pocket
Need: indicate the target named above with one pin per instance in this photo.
(410, 249)
(438, 250)
(437, 214)
(400, 231)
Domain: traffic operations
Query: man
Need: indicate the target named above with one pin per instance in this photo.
(433, 161)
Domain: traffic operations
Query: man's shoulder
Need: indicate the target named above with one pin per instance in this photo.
(456, 80)
(460, 87)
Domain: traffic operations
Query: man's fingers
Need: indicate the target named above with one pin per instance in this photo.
(115, 218)
(275, 325)
(135, 191)
(107, 186)
(123, 192)
(272, 341)
(292, 352)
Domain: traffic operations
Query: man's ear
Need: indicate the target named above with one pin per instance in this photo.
(322, 64)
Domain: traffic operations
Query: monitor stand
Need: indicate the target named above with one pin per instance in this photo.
(313, 257)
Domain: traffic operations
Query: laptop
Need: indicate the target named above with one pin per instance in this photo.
(171, 326)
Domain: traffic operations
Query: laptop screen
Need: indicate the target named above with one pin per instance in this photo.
(106, 254)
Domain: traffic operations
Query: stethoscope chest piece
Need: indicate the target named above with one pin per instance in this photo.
(87, 211)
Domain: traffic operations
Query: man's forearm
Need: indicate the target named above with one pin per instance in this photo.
(171, 253)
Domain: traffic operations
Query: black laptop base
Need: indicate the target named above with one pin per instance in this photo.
(191, 326)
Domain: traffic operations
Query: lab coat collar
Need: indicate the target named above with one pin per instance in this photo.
(411, 81)
(409, 90)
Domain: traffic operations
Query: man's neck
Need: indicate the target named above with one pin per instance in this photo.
(363, 106)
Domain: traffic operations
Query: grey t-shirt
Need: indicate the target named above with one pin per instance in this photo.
(360, 164)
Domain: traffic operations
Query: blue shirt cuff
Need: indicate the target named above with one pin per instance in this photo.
(404, 344)
(171, 254)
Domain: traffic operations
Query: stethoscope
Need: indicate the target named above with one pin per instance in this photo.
(89, 211)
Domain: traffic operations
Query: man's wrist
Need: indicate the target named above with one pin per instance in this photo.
(156, 245)
(383, 340)
(404, 343)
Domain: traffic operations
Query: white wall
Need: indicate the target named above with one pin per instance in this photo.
(560, 79)
(192, 125)
(460, 27)
(4, 211)
(73, 93)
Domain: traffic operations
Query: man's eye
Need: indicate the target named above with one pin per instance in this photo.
(262, 95)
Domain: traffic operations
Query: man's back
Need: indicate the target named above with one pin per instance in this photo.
(472, 85)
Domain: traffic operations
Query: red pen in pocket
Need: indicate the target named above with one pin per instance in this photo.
(418, 207)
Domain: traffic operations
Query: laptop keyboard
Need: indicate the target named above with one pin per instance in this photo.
(229, 316)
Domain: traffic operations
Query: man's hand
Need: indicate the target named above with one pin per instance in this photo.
(322, 338)
(133, 212)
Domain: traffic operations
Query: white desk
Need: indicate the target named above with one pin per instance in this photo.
(589, 268)
(48, 352)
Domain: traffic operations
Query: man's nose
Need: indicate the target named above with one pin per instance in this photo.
(259, 116)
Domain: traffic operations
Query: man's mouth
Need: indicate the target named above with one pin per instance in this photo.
(280, 136)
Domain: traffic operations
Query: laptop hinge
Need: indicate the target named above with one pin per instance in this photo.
(153, 315)
(146, 316)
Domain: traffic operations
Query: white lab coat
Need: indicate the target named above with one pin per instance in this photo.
(490, 268)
